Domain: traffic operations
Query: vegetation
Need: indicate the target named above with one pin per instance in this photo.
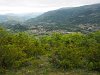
(57, 51)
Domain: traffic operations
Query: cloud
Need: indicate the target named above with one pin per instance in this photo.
(45, 3)
(40, 5)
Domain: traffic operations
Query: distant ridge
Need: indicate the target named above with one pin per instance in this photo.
(69, 14)
(69, 17)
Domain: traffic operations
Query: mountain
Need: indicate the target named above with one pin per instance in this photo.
(17, 17)
(83, 18)
(15, 21)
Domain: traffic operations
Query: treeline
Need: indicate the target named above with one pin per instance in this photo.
(63, 51)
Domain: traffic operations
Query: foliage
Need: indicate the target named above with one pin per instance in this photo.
(62, 51)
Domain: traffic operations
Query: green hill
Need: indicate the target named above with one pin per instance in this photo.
(86, 18)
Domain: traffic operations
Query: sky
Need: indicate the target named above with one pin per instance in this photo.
(30, 6)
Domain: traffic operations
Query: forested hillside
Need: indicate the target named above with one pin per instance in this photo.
(83, 19)
(43, 55)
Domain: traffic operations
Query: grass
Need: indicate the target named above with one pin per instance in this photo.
(46, 69)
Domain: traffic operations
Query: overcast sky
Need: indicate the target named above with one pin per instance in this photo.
(25, 6)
